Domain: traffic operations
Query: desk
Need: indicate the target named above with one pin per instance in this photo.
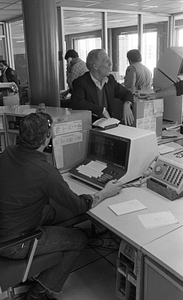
(129, 228)
(164, 269)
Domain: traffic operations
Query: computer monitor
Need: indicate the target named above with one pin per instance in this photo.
(121, 153)
(168, 71)
(109, 148)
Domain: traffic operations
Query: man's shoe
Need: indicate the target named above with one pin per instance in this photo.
(36, 292)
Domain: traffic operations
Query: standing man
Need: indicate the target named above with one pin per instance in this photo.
(75, 67)
(27, 182)
(7, 73)
(137, 77)
(96, 89)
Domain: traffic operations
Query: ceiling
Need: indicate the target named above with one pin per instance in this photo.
(84, 19)
(12, 8)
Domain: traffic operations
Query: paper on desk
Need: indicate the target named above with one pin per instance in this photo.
(158, 219)
(127, 207)
(163, 149)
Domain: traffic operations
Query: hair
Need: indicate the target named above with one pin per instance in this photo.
(34, 129)
(134, 55)
(71, 53)
(4, 62)
(92, 57)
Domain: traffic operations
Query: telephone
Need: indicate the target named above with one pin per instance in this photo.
(166, 177)
(104, 123)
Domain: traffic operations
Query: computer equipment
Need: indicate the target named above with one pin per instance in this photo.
(166, 177)
(121, 153)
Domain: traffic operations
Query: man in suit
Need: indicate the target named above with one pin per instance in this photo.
(97, 89)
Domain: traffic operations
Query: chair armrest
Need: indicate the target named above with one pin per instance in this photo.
(22, 239)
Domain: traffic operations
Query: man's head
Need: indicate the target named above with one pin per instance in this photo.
(98, 63)
(3, 64)
(71, 54)
(134, 55)
(34, 130)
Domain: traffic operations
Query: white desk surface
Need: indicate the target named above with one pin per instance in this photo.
(168, 252)
(129, 226)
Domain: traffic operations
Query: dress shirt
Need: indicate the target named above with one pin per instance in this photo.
(77, 69)
(98, 83)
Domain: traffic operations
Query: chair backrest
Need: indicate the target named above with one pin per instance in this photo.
(15, 271)
(11, 100)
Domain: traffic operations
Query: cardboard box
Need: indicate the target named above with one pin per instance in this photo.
(70, 138)
(148, 115)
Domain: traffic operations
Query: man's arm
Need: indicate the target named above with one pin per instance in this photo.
(14, 77)
(130, 79)
(58, 190)
(122, 92)
(169, 91)
(175, 89)
(179, 88)
(73, 74)
(126, 97)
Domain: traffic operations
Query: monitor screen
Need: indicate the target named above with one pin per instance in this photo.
(110, 148)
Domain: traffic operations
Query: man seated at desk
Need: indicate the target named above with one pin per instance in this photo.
(96, 89)
(27, 182)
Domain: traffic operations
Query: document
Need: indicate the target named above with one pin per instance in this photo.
(158, 219)
(163, 149)
(28, 111)
(127, 207)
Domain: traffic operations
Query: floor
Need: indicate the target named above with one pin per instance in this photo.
(94, 274)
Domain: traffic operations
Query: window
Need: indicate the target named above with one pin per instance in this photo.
(130, 41)
(18, 45)
(83, 46)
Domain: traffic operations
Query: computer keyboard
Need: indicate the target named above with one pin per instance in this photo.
(83, 169)
(100, 176)
(105, 178)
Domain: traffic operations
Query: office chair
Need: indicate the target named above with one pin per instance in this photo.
(15, 272)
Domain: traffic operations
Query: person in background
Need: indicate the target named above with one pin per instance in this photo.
(137, 77)
(27, 182)
(75, 66)
(8, 74)
(97, 88)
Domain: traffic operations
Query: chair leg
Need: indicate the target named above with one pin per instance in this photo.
(12, 293)
(3, 295)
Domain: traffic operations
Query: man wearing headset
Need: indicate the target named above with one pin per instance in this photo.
(27, 182)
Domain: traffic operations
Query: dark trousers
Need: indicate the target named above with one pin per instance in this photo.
(68, 241)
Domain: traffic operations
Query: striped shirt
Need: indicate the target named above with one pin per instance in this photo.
(77, 69)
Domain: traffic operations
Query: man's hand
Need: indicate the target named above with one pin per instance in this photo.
(128, 114)
(105, 113)
(111, 189)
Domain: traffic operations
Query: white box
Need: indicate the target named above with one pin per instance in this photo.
(70, 138)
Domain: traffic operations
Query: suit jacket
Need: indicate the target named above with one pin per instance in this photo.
(84, 94)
